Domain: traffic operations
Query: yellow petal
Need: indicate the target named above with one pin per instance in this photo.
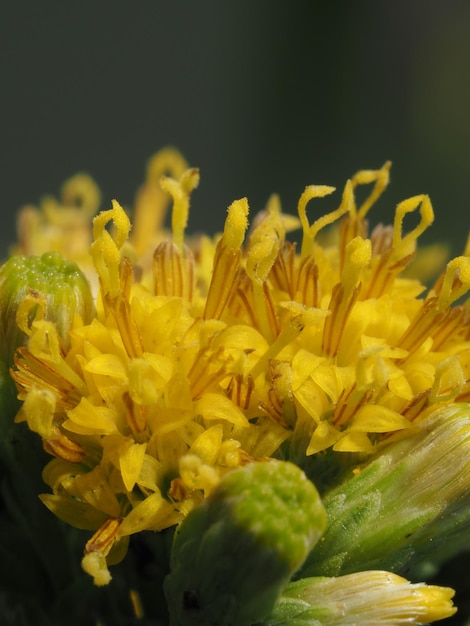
(312, 399)
(93, 487)
(303, 364)
(400, 387)
(213, 406)
(87, 418)
(130, 462)
(78, 514)
(107, 365)
(147, 515)
(354, 442)
(324, 436)
(374, 418)
(207, 445)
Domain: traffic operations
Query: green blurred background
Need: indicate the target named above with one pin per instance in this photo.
(263, 96)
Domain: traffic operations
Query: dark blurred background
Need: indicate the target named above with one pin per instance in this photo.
(263, 96)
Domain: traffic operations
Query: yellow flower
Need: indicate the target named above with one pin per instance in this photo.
(217, 352)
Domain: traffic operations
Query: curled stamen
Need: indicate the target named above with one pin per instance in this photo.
(405, 245)
(180, 191)
(82, 192)
(455, 281)
(381, 178)
(310, 231)
(392, 250)
(166, 161)
(105, 250)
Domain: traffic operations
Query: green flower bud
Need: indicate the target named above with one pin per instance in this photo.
(234, 553)
(54, 282)
(58, 291)
(32, 288)
(409, 502)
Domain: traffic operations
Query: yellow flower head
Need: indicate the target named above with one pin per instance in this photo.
(221, 351)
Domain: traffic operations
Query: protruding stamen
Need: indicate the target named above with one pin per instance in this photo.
(152, 202)
(227, 259)
(308, 290)
(283, 272)
(120, 308)
(173, 272)
(345, 294)
(435, 319)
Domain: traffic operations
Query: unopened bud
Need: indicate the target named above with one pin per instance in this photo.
(234, 553)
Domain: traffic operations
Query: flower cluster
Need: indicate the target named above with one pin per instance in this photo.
(203, 355)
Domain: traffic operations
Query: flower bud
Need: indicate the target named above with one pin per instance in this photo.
(235, 552)
(54, 283)
(48, 286)
(366, 598)
(409, 503)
